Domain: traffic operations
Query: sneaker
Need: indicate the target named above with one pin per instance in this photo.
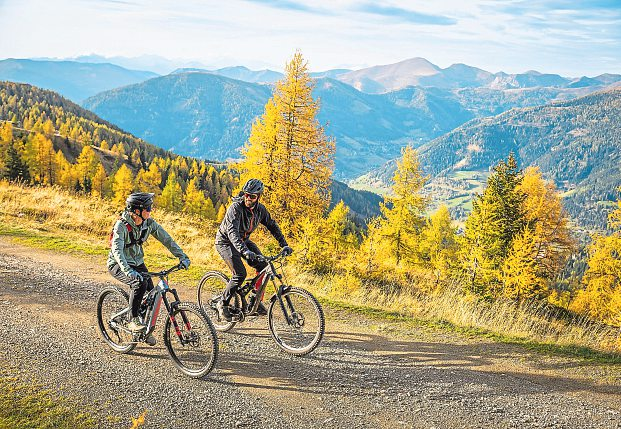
(261, 310)
(136, 325)
(150, 340)
(224, 311)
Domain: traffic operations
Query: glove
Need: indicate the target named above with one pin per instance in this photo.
(135, 275)
(185, 263)
(286, 251)
(250, 255)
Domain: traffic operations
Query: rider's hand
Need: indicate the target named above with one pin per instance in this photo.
(135, 275)
(185, 263)
(286, 251)
(250, 255)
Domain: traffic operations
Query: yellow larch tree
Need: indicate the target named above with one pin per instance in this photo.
(289, 151)
(122, 185)
(149, 180)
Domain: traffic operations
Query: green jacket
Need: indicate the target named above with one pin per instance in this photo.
(134, 255)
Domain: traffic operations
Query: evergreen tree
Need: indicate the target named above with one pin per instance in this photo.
(289, 151)
(497, 217)
(15, 168)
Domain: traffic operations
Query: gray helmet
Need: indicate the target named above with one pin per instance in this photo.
(253, 186)
(139, 200)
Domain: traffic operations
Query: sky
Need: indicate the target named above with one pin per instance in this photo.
(571, 38)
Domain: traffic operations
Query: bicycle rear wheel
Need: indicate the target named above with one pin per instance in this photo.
(193, 344)
(112, 317)
(214, 282)
(305, 328)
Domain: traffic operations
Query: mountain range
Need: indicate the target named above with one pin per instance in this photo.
(76, 81)
(576, 144)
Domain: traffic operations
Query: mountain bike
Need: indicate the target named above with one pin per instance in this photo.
(295, 318)
(189, 335)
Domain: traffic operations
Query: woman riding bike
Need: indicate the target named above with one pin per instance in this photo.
(233, 239)
(126, 257)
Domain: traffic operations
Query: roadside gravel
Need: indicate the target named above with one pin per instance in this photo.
(356, 379)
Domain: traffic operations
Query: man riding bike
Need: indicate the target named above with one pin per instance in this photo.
(126, 257)
(233, 239)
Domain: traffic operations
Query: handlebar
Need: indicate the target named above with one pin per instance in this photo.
(262, 258)
(163, 273)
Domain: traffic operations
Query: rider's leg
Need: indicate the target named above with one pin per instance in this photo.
(255, 264)
(238, 272)
(137, 288)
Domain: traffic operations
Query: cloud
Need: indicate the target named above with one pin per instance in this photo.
(290, 5)
(405, 15)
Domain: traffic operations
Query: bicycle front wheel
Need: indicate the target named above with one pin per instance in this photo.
(192, 344)
(298, 324)
(112, 317)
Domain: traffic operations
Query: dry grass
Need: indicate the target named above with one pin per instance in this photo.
(85, 222)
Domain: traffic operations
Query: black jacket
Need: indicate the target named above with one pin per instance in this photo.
(240, 221)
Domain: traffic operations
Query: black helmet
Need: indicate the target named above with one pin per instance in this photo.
(253, 186)
(139, 200)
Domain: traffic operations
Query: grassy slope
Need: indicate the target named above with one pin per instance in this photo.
(52, 219)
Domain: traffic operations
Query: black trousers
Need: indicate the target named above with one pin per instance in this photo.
(234, 261)
(137, 288)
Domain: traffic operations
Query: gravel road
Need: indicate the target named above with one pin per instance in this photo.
(358, 378)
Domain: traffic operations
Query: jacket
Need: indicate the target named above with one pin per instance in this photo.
(126, 257)
(240, 221)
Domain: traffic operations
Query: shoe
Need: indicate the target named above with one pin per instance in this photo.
(150, 340)
(136, 325)
(261, 310)
(224, 311)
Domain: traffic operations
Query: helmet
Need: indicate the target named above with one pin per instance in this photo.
(139, 200)
(253, 186)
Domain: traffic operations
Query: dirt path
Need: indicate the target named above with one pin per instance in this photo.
(356, 379)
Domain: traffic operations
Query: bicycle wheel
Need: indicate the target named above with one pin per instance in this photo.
(193, 348)
(214, 282)
(305, 330)
(112, 316)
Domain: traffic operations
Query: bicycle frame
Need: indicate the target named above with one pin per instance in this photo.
(259, 284)
(154, 298)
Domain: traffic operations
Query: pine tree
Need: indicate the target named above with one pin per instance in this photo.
(15, 169)
(403, 214)
(289, 151)
(497, 217)
(123, 185)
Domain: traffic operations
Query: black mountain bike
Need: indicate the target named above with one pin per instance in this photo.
(189, 335)
(295, 318)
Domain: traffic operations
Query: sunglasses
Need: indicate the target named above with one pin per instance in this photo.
(251, 196)
(148, 208)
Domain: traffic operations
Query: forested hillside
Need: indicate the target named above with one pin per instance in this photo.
(47, 139)
(577, 144)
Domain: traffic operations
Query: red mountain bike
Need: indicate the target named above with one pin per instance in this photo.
(189, 335)
(295, 318)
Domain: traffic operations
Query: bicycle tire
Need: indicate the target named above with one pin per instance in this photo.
(199, 355)
(284, 334)
(119, 300)
(210, 282)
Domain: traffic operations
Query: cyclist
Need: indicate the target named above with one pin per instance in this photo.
(126, 257)
(233, 239)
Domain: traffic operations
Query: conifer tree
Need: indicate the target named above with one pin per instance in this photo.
(438, 244)
(601, 296)
(221, 213)
(149, 180)
(123, 185)
(196, 203)
(289, 151)
(339, 231)
(15, 169)
(172, 195)
(100, 181)
(521, 272)
(403, 214)
(497, 217)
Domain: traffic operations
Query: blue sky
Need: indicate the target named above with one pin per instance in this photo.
(566, 37)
